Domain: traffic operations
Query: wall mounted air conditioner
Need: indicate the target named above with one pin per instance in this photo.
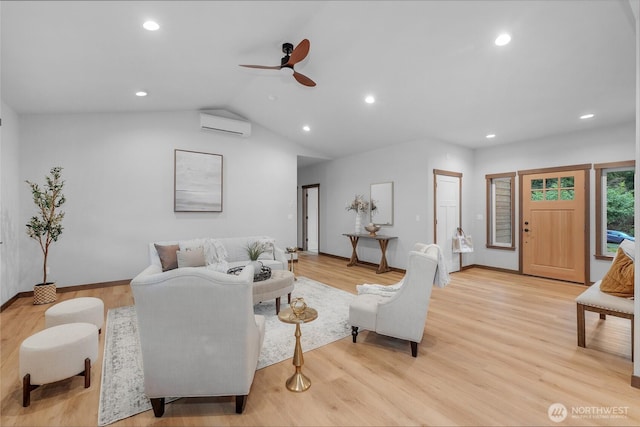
(225, 125)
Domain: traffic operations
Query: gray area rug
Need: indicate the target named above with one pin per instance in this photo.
(122, 388)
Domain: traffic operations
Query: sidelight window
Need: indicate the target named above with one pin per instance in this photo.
(614, 206)
(501, 211)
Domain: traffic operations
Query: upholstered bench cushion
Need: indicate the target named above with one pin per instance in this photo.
(83, 310)
(56, 353)
(280, 283)
(594, 297)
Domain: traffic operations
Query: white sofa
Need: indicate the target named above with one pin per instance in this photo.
(224, 253)
(198, 333)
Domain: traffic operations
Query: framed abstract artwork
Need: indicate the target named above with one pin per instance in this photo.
(197, 182)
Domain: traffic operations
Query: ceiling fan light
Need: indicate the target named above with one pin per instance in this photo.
(287, 70)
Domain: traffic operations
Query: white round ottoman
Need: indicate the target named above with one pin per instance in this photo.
(85, 309)
(280, 283)
(56, 353)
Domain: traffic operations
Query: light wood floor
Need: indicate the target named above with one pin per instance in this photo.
(498, 349)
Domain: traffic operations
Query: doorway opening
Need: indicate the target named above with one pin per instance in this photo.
(311, 218)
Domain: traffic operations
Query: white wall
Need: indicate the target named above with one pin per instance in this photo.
(596, 146)
(119, 187)
(11, 224)
(410, 166)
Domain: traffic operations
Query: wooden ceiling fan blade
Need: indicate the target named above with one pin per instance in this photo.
(264, 67)
(300, 52)
(302, 79)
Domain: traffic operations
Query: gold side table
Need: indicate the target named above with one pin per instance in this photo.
(298, 381)
(292, 250)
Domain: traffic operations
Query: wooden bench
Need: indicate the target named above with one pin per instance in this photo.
(593, 299)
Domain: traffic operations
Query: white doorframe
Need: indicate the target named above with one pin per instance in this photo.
(447, 214)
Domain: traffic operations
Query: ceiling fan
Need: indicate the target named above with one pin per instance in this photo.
(291, 57)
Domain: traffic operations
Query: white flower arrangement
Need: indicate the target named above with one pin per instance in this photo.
(360, 205)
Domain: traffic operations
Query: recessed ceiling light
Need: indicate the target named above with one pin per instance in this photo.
(587, 116)
(369, 99)
(503, 39)
(306, 128)
(151, 26)
(491, 136)
(141, 93)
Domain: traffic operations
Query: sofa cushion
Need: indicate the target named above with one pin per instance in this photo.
(192, 257)
(620, 278)
(168, 256)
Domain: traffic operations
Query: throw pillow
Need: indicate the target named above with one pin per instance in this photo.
(168, 257)
(269, 245)
(619, 279)
(629, 248)
(192, 257)
(220, 250)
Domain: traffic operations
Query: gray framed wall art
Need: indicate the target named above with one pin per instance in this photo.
(197, 182)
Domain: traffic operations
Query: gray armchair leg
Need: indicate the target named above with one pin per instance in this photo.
(354, 332)
(241, 401)
(157, 404)
(414, 349)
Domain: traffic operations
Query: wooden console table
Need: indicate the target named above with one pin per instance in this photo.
(383, 267)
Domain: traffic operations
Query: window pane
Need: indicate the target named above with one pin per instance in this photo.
(500, 211)
(537, 195)
(551, 194)
(536, 184)
(620, 207)
(566, 182)
(567, 194)
(551, 183)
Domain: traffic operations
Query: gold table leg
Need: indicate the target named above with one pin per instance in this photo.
(298, 382)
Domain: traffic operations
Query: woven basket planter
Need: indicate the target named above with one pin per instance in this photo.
(44, 294)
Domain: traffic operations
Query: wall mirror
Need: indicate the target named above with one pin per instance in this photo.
(382, 197)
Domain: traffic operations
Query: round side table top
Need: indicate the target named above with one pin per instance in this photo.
(308, 315)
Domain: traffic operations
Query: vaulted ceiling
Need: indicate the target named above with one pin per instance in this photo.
(432, 66)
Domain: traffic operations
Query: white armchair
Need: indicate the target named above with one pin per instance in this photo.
(403, 313)
(198, 333)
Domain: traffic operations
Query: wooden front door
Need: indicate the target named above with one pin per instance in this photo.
(554, 225)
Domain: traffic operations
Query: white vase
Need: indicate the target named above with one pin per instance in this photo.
(358, 228)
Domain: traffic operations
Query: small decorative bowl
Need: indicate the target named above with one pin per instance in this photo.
(372, 229)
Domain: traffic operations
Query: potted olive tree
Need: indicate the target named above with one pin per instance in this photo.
(46, 227)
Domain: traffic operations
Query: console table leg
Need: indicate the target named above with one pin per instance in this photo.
(383, 267)
(354, 254)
